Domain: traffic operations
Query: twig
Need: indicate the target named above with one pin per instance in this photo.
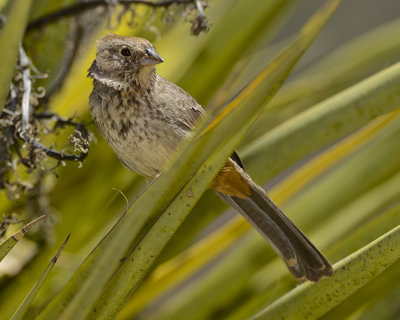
(58, 155)
(26, 78)
(200, 22)
(50, 152)
(200, 9)
(80, 127)
(21, 158)
(83, 6)
(54, 116)
(13, 105)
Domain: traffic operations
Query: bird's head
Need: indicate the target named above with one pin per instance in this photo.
(122, 62)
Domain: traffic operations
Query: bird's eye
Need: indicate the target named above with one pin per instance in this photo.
(126, 52)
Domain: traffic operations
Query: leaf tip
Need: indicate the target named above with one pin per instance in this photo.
(19, 234)
(54, 260)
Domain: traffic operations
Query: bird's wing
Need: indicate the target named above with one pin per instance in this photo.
(190, 110)
(192, 113)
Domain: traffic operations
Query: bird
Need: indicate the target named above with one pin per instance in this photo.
(144, 118)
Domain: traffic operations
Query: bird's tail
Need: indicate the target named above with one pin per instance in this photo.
(302, 258)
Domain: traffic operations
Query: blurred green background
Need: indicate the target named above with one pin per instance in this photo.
(333, 164)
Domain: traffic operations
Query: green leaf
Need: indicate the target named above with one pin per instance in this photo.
(347, 221)
(351, 202)
(229, 41)
(208, 293)
(345, 66)
(139, 262)
(31, 295)
(272, 161)
(222, 135)
(183, 266)
(377, 288)
(310, 301)
(136, 264)
(266, 288)
(334, 189)
(323, 124)
(377, 300)
(7, 245)
(204, 296)
(10, 38)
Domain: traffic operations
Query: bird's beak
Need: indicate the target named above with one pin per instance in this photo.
(151, 58)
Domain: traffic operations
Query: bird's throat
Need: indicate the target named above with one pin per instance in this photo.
(141, 81)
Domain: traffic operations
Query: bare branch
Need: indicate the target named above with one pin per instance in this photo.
(83, 6)
(200, 22)
(58, 155)
(26, 78)
(21, 158)
(61, 122)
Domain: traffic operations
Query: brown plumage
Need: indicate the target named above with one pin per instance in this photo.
(145, 117)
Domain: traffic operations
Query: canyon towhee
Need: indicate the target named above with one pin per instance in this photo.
(145, 117)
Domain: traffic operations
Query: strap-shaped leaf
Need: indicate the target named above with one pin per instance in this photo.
(31, 295)
(10, 38)
(136, 265)
(200, 296)
(310, 301)
(230, 41)
(7, 245)
(323, 124)
(217, 138)
(267, 286)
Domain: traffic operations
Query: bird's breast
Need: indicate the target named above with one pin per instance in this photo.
(140, 135)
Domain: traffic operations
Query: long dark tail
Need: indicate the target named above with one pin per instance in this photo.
(302, 258)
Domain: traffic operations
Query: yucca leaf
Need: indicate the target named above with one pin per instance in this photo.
(191, 159)
(202, 296)
(10, 38)
(230, 273)
(378, 287)
(323, 124)
(326, 160)
(198, 299)
(377, 300)
(198, 295)
(344, 66)
(8, 244)
(360, 230)
(183, 266)
(193, 260)
(230, 41)
(150, 247)
(365, 169)
(31, 295)
(304, 134)
(347, 220)
(170, 274)
(310, 301)
(359, 165)
(139, 262)
(267, 288)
